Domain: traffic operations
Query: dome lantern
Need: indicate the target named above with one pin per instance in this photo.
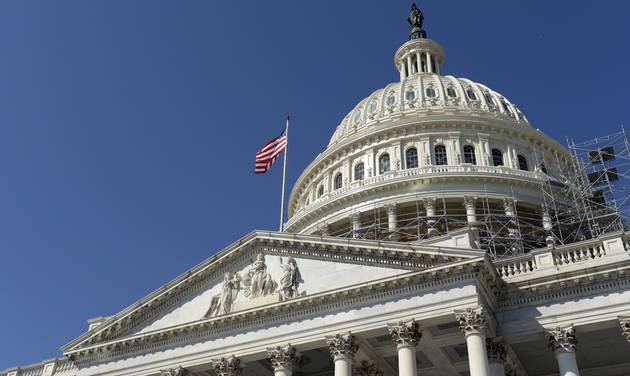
(419, 54)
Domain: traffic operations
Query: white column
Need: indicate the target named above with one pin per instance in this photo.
(283, 359)
(355, 219)
(392, 222)
(342, 348)
(419, 61)
(471, 213)
(429, 63)
(230, 366)
(406, 336)
(564, 344)
(401, 68)
(409, 65)
(473, 323)
(496, 356)
(437, 64)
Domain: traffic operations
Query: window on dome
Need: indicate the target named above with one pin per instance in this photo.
(359, 171)
(320, 191)
(451, 92)
(430, 92)
(489, 99)
(471, 94)
(372, 108)
(410, 95)
(440, 155)
(411, 158)
(522, 163)
(391, 100)
(543, 168)
(383, 163)
(338, 181)
(357, 116)
(497, 157)
(469, 155)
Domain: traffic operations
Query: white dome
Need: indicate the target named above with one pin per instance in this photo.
(422, 95)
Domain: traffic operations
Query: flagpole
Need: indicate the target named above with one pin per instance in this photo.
(284, 175)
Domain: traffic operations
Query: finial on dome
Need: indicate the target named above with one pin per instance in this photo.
(415, 20)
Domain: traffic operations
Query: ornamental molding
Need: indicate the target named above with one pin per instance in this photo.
(562, 339)
(283, 357)
(409, 284)
(405, 334)
(230, 366)
(342, 345)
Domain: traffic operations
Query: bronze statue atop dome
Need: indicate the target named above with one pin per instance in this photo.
(415, 19)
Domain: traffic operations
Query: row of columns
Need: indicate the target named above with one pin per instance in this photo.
(486, 356)
(429, 206)
(412, 63)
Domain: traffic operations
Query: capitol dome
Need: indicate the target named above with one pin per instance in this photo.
(433, 158)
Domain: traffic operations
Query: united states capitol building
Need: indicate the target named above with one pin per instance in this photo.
(439, 233)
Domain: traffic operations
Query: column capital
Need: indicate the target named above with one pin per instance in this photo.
(367, 368)
(562, 339)
(355, 217)
(230, 366)
(472, 320)
(325, 229)
(469, 202)
(177, 371)
(342, 345)
(391, 208)
(283, 357)
(496, 350)
(625, 327)
(405, 334)
(429, 202)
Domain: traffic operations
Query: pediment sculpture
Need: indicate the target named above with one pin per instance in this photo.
(258, 286)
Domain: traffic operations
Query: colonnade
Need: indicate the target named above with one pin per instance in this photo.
(418, 61)
(486, 356)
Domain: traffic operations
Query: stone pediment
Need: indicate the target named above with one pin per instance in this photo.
(261, 270)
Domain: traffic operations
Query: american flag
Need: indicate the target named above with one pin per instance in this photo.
(270, 152)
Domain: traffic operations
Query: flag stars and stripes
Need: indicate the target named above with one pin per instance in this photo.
(269, 153)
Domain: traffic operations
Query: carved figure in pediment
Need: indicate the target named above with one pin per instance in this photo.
(258, 281)
(290, 280)
(221, 304)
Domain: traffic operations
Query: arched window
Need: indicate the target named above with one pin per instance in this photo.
(451, 92)
(338, 180)
(383, 163)
(471, 94)
(543, 168)
(469, 155)
(430, 92)
(497, 157)
(410, 95)
(359, 171)
(411, 158)
(440, 155)
(489, 99)
(522, 163)
(320, 191)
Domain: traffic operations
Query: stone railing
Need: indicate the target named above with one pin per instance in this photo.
(412, 173)
(582, 253)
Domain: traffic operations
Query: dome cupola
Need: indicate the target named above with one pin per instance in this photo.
(419, 54)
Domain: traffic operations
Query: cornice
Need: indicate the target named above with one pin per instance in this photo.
(407, 284)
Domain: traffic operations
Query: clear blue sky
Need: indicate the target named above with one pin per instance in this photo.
(128, 128)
